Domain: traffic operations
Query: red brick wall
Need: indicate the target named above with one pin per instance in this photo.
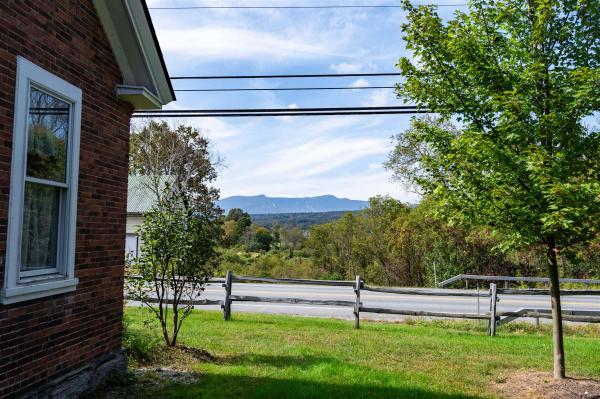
(43, 338)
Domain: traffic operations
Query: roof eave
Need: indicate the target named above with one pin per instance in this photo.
(129, 29)
(139, 97)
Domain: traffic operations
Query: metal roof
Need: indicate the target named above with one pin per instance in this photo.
(140, 197)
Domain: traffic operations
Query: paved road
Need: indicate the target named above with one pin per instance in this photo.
(382, 300)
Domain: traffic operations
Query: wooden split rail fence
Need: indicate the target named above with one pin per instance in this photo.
(493, 317)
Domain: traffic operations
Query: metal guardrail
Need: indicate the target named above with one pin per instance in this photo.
(507, 279)
(586, 316)
(527, 291)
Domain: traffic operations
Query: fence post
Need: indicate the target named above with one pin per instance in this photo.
(227, 301)
(493, 300)
(357, 304)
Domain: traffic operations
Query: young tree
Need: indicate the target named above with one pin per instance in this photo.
(177, 258)
(518, 78)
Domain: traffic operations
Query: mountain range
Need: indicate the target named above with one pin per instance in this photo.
(261, 204)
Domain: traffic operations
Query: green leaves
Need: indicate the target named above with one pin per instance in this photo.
(178, 256)
(520, 80)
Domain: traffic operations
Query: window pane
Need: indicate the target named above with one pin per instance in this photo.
(40, 227)
(131, 246)
(48, 128)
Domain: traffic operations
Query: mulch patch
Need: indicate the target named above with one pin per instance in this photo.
(540, 385)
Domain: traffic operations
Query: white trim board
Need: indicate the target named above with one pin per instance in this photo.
(19, 287)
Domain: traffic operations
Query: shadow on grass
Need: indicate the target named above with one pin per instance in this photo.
(277, 361)
(281, 379)
(219, 386)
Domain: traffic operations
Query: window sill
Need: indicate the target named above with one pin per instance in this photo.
(34, 288)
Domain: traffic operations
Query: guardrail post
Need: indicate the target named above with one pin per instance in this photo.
(493, 300)
(478, 300)
(227, 301)
(357, 304)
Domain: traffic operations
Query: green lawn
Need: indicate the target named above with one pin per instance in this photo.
(261, 356)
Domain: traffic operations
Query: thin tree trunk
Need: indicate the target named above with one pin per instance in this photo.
(557, 327)
(165, 331)
(175, 321)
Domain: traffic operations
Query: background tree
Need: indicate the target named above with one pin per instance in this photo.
(519, 78)
(291, 238)
(180, 154)
(237, 223)
(260, 239)
(177, 258)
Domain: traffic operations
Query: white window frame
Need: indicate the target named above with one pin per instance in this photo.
(18, 285)
(137, 245)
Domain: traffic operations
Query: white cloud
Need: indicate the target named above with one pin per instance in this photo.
(360, 83)
(318, 156)
(328, 125)
(288, 118)
(357, 67)
(237, 43)
(380, 98)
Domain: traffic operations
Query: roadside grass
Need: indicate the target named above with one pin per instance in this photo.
(266, 356)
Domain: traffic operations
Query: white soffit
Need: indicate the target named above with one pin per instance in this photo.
(129, 29)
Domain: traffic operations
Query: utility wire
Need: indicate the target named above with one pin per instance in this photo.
(318, 75)
(300, 7)
(199, 113)
(226, 110)
(293, 89)
(226, 115)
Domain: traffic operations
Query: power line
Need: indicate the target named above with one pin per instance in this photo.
(389, 112)
(199, 113)
(318, 75)
(225, 110)
(291, 89)
(299, 7)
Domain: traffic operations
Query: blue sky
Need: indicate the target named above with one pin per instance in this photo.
(290, 156)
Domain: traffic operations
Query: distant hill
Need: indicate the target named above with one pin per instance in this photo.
(301, 220)
(261, 204)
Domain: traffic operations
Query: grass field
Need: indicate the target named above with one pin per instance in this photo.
(263, 356)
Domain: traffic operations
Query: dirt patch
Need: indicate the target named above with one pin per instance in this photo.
(143, 383)
(539, 385)
(198, 354)
(168, 366)
(178, 357)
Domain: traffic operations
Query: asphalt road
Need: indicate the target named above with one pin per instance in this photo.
(382, 300)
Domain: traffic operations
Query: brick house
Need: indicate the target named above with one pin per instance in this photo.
(71, 74)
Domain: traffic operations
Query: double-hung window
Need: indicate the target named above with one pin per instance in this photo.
(40, 253)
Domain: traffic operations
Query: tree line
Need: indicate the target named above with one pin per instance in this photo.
(388, 243)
